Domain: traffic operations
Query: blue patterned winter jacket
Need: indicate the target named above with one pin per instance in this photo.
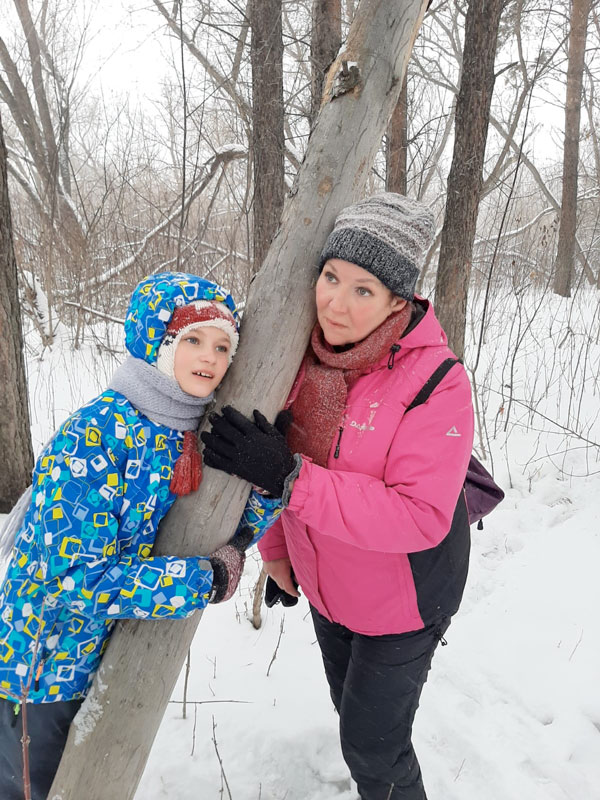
(82, 557)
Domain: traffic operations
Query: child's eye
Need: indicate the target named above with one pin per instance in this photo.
(192, 339)
(222, 348)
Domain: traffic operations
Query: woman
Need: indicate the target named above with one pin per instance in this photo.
(375, 528)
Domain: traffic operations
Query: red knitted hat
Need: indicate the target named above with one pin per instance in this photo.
(200, 314)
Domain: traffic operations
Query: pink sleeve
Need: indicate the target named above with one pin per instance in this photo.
(412, 507)
(272, 545)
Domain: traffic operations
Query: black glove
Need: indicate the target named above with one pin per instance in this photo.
(228, 564)
(255, 451)
(283, 421)
(274, 594)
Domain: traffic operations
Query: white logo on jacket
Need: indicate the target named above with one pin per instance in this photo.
(453, 432)
(361, 426)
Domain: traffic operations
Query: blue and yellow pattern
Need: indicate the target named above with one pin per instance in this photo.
(82, 557)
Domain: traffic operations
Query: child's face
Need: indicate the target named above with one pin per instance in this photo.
(201, 360)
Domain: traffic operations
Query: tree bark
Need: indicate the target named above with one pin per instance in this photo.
(15, 431)
(268, 142)
(466, 171)
(325, 44)
(397, 145)
(565, 257)
(143, 659)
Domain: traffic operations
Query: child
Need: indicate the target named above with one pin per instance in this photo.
(82, 553)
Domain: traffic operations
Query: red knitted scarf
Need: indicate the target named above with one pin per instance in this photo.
(319, 407)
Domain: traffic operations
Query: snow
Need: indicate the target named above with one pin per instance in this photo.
(511, 708)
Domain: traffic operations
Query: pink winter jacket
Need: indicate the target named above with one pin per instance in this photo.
(392, 491)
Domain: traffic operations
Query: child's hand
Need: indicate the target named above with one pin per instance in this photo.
(228, 564)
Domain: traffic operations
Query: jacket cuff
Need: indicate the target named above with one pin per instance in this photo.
(287, 484)
(301, 488)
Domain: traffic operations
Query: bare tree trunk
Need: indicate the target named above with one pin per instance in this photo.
(143, 659)
(565, 256)
(466, 172)
(397, 145)
(15, 433)
(267, 122)
(325, 43)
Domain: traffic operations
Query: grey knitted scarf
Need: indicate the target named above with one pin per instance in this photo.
(158, 397)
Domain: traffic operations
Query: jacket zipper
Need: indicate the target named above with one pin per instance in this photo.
(393, 350)
(337, 446)
(38, 675)
(39, 670)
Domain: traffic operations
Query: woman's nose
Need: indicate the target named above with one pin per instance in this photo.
(337, 302)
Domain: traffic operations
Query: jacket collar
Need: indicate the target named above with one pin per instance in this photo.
(424, 330)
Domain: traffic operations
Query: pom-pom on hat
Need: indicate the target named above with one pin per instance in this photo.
(388, 235)
(199, 314)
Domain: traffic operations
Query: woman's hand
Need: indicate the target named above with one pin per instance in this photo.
(255, 451)
(281, 571)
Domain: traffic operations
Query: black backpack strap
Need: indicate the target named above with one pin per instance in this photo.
(424, 394)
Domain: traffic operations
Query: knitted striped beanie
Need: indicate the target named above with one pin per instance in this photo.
(388, 235)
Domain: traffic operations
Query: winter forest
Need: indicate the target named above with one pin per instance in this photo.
(221, 138)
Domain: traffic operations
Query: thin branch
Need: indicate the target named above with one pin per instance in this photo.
(223, 776)
(223, 157)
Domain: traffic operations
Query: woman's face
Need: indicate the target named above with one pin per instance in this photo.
(352, 302)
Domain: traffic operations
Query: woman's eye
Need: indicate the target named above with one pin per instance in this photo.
(363, 292)
(329, 276)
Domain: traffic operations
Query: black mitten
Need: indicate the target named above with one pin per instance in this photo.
(228, 564)
(255, 451)
(274, 594)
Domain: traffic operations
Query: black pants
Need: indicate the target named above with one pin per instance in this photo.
(376, 684)
(48, 727)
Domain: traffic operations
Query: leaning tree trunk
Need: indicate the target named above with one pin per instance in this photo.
(15, 433)
(325, 42)
(466, 172)
(268, 144)
(143, 659)
(565, 256)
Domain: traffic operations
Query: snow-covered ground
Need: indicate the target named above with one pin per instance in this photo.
(511, 710)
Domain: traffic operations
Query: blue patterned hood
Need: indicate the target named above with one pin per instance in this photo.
(153, 303)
